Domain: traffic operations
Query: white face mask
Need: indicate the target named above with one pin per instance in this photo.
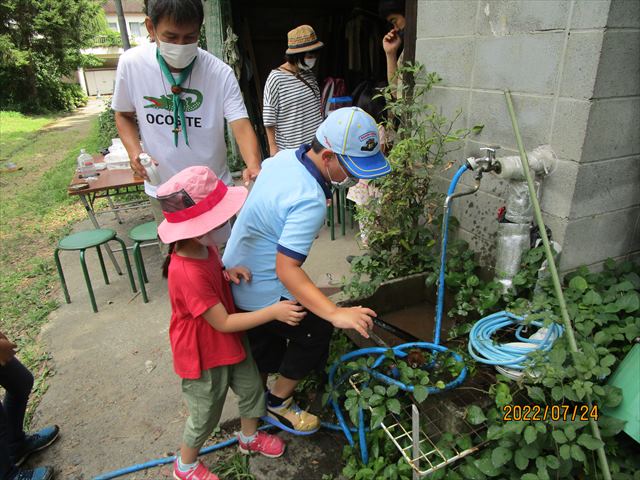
(348, 182)
(307, 63)
(178, 56)
(216, 237)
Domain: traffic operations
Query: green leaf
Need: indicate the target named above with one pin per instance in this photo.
(475, 415)
(477, 129)
(495, 432)
(420, 393)
(500, 456)
(529, 476)
(559, 436)
(601, 338)
(530, 434)
(393, 405)
(486, 466)
(536, 394)
(610, 426)
(377, 416)
(592, 298)
(629, 303)
(578, 283)
(589, 442)
(577, 454)
(375, 400)
(565, 452)
(553, 462)
(520, 460)
(608, 361)
(392, 390)
(440, 384)
(570, 432)
(380, 390)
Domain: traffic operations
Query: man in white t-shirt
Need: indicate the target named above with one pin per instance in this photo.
(176, 97)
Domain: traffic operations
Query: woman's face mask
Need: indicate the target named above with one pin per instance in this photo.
(178, 56)
(308, 63)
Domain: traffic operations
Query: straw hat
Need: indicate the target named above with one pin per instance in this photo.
(302, 39)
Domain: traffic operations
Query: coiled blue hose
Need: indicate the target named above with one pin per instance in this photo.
(482, 347)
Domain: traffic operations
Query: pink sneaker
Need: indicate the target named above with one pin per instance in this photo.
(270, 446)
(198, 473)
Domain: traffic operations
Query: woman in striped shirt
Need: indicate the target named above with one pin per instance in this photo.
(292, 111)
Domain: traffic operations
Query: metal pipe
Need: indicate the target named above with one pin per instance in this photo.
(602, 456)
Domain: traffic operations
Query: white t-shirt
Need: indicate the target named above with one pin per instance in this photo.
(211, 95)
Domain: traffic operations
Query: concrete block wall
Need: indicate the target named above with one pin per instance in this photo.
(573, 67)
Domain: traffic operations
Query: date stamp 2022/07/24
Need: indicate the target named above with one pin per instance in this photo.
(527, 413)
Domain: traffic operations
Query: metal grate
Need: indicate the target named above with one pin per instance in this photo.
(428, 436)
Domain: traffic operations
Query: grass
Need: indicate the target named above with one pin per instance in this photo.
(35, 211)
(16, 130)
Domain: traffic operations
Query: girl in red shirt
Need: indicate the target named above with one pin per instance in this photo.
(210, 353)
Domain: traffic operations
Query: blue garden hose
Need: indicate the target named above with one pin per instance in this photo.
(483, 348)
(399, 351)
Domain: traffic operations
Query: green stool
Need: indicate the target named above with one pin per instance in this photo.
(89, 239)
(142, 233)
(344, 206)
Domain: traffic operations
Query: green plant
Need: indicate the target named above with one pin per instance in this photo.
(236, 466)
(107, 126)
(400, 217)
(605, 310)
(40, 43)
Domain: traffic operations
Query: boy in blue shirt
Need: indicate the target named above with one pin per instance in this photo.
(272, 238)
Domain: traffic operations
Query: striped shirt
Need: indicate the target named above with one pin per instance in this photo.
(292, 108)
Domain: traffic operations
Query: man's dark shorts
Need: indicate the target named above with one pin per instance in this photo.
(293, 352)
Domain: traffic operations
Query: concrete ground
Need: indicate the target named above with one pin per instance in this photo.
(114, 393)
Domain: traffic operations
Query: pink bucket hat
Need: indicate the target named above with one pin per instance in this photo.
(194, 202)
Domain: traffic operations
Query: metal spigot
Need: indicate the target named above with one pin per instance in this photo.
(487, 163)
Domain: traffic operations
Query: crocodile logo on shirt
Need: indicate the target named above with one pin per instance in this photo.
(192, 101)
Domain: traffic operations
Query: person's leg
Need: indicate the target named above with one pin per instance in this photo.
(267, 348)
(205, 398)
(247, 384)
(307, 350)
(7, 467)
(17, 380)
(156, 210)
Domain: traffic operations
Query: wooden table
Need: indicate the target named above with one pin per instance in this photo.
(109, 184)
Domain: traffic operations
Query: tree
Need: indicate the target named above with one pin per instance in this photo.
(40, 42)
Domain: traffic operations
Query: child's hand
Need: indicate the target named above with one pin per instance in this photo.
(237, 273)
(289, 312)
(7, 350)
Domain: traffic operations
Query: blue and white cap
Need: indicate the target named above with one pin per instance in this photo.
(352, 134)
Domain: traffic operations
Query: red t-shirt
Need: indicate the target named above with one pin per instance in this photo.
(196, 285)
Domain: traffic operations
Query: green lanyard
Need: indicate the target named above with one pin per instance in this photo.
(176, 89)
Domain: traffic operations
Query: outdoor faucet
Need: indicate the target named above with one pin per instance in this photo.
(485, 164)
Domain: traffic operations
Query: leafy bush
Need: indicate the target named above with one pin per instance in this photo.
(605, 311)
(402, 216)
(107, 126)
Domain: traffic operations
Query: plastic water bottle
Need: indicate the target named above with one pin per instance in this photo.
(85, 165)
(151, 169)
